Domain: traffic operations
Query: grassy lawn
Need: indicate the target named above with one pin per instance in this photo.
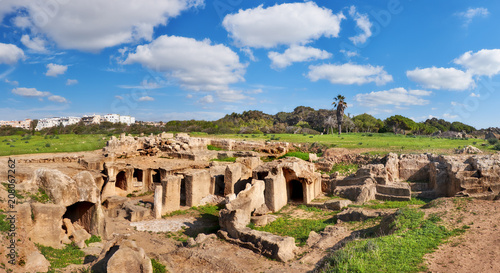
(376, 143)
(299, 228)
(402, 251)
(14, 145)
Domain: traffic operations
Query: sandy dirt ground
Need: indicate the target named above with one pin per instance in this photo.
(478, 249)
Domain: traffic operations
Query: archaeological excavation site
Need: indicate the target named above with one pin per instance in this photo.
(193, 204)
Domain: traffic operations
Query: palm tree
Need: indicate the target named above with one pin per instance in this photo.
(341, 105)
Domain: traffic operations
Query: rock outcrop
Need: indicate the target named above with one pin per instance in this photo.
(236, 216)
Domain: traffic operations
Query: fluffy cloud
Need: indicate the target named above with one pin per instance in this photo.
(71, 82)
(470, 13)
(92, 25)
(56, 98)
(146, 98)
(53, 70)
(441, 78)
(32, 92)
(36, 44)
(231, 95)
(10, 54)
(29, 92)
(297, 54)
(484, 62)
(349, 74)
(207, 99)
(196, 65)
(396, 96)
(287, 24)
(363, 23)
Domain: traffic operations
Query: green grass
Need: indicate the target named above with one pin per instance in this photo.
(213, 148)
(377, 204)
(158, 267)
(60, 258)
(225, 159)
(377, 143)
(296, 228)
(208, 213)
(58, 144)
(40, 196)
(4, 225)
(301, 155)
(93, 239)
(402, 251)
(344, 169)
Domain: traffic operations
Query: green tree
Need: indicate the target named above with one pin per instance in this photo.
(340, 105)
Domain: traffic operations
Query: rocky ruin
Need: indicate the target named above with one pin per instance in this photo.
(88, 195)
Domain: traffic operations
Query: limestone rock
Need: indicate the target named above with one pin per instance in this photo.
(313, 238)
(121, 255)
(356, 214)
(337, 204)
(47, 226)
(36, 262)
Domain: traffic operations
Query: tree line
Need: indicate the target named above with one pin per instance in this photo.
(303, 119)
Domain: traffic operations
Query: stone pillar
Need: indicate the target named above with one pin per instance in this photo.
(171, 198)
(233, 175)
(197, 186)
(158, 201)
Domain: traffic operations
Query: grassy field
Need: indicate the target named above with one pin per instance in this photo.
(374, 143)
(363, 142)
(13, 145)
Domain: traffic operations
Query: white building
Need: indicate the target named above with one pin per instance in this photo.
(25, 124)
(93, 119)
(65, 121)
(47, 123)
(127, 120)
(113, 118)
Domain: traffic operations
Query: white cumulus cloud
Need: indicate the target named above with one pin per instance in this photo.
(10, 54)
(29, 92)
(286, 24)
(36, 44)
(349, 74)
(441, 78)
(71, 82)
(396, 96)
(196, 65)
(297, 53)
(56, 98)
(53, 70)
(206, 99)
(470, 13)
(91, 25)
(363, 23)
(231, 95)
(485, 62)
(146, 98)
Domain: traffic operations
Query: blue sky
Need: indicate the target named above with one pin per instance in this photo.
(195, 59)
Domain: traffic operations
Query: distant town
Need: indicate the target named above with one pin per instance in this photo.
(65, 121)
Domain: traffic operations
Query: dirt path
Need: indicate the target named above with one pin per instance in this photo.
(478, 249)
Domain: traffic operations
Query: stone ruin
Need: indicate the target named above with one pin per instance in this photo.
(86, 202)
(422, 175)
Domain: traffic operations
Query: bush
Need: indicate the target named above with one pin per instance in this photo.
(496, 147)
(47, 145)
(301, 155)
(158, 267)
(492, 141)
(213, 148)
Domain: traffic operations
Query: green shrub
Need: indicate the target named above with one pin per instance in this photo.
(213, 148)
(93, 239)
(158, 267)
(496, 147)
(301, 155)
(47, 145)
(492, 141)
(60, 258)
